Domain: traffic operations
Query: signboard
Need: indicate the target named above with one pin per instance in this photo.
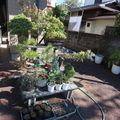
(75, 23)
(41, 4)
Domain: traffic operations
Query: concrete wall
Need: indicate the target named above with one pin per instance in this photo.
(13, 8)
(99, 26)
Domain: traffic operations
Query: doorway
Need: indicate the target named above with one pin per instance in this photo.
(3, 15)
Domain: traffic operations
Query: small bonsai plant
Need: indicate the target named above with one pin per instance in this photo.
(32, 42)
(28, 82)
(68, 73)
(115, 61)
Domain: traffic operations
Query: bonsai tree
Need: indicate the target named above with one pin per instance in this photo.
(20, 25)
(69, 72)
(30, 55)
(115, 57)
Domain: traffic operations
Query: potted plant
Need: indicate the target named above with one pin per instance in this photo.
(28, 82)
(42, 78)
(68, 73)
(115, 60)
(98, 58)
(58, 81)
(90, 55)
(51, 82)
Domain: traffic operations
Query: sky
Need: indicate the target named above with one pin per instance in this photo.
(60, 1)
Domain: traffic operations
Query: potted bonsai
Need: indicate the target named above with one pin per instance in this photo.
(42, 78)
(28, 82)
(51, 82)
(115, 60)
(68, 73)
(58, 81)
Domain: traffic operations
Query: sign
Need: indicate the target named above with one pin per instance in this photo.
(41, 4)
(75, 23)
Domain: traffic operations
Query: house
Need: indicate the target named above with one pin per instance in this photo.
(89, 25)
(95, 17)
(10, 8)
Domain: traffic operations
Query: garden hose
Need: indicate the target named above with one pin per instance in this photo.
(100, 108)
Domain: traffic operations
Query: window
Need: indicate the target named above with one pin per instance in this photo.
(88, 24)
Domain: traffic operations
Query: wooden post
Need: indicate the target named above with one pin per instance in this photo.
(0, 35)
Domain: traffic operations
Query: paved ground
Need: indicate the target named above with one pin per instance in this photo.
(97, 81)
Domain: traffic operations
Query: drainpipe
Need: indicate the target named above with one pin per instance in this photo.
(0, 35)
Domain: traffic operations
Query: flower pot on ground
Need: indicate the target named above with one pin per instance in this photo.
(58, 87)
(115, 61)
(115, 69)
(98, 58)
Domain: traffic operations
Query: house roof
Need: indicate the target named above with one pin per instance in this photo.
(103, 17)
(95, 6)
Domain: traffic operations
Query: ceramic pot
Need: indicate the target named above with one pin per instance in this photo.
(65, 86)
(58, 87)
(98, 59)
(51, 88)
(41, 83)
(115, 69)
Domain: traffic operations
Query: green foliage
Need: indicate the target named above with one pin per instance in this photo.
(115, 56)
(55, 29)
(117, 25)
(69, 72)
(76, 56)
(20, 25)
(30, 54)
(48, 54)
(31, 41)
(60, 11)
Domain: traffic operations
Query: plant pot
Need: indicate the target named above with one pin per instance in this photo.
(41, 83)
(58, 87)
(65, 86)
(115, 69)
(98, 59)
(51, 88)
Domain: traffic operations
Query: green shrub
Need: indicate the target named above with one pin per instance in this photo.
(20, 25)
(30, 54)
(115, 56)
(31, 41)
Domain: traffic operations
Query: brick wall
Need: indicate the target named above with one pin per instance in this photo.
(97, 43)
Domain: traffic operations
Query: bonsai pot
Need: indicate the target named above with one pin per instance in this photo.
(65, 86)
(58, 87)
(51, 88)
(115, 69)
(41, 83)
(98, 59)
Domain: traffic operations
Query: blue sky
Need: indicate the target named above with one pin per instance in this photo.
(60, 1)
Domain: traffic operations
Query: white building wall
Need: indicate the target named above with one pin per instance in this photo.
(99, 26)
(89, 2)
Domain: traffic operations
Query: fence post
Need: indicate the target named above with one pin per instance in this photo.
(0, 35)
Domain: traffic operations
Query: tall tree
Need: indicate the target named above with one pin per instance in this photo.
(60, 11)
